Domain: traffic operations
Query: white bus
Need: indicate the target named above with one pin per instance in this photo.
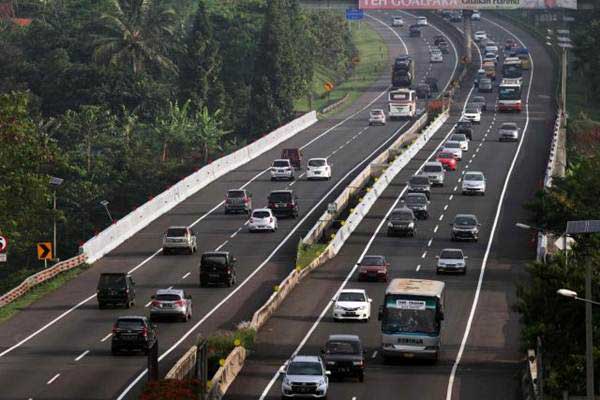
(509, 95)
(411, 318)
(402, 103)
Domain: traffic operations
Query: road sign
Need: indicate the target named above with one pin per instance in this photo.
(354, 14)
(44, 251)
(332, 208)
(559, 243)
(328, 86)
(3, 244)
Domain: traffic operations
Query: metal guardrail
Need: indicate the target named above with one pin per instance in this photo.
(40, 277)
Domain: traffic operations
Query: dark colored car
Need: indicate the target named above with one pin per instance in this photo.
(433, 84)
(479, 101)
(414, 31)
(373, 268)
(217, 268)
(423, 91)
(456, 17)
(512, 72)
(238, 200)
(115, 289)
(294, 155)
(344, 357)
(283, 203)
(133, 333)
(418, 203)
(486, 85)
(419, 184)
(464, 127)
(465, 227)
(402, 221)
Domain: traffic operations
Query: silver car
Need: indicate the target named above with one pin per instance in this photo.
(451, 260)
(171, 303)
(473, 183)
(305, 376)
(453, 147)
(282, 169)
(508, 131)
(462, 139)
(179, 238)
(434, 170)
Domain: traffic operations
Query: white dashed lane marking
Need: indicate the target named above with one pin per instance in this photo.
(55, 377)
(82, 355)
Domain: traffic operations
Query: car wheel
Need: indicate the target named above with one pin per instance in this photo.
(464, 271)
(165, 252)
(114, 351)
(437, 271)
(361, 377)
(226, 211)
(202, 284)
(128, 304)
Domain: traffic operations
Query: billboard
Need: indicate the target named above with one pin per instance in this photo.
(465, 4)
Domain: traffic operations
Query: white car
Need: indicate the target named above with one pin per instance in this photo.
(397, 21)
(475, 16)
(422, 21)
(491, 47)
(453, 148)
(472, 114)
(318, 168)
(353, 304)
(282, 169)
(451, 260)
(377, 116)
(479, 35)
(262, 219)
(462, 139)
(473, 182)
(436, 57)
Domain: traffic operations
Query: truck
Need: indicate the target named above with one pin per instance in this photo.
(403, 72)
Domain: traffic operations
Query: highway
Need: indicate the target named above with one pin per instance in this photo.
(59, 347)
(480, 355)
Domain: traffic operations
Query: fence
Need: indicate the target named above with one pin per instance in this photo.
(42, 276)
(133, 222)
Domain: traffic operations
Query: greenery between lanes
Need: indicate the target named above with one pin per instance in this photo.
(308, 253)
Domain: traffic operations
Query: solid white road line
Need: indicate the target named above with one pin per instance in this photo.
(82, 355)
(55, 377)
(418, 267)
(222, 245)
(186, 275)
(493, 231)
(105, 338)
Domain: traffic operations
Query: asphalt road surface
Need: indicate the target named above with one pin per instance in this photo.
(59, 347)
(480, 356)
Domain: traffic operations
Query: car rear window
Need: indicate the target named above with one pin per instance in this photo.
(235, 194)
(508, 126)
(316, 163)
(261, 214)
(416, 199)
(446, 155)
(280, 197)
(478, 99)
(167, 297)
(402, 215)
(281, 163)
(290, 153)
(130, 323)
(452, 145)
(452, 254)
(473, 177)
(458, 138)
(433, 168)
(372, 260)
(351, 296)
(341, 347)
(111, 280)
(214, 260)
(176, 232)
(419, 180)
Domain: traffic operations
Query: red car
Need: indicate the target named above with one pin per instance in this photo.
(448, 160)
(373, 268)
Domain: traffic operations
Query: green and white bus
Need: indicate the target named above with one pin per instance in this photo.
(411, 318)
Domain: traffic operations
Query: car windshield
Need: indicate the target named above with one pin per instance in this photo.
(176, 232)
(478, 99)
(214, 260)
(351, 296)
(280, 197)
(474, 110)
(446, 155)
(452, 254)
(130, 323)
(376, 112)
(433, 168)
(458, 138)
(452, 145)
(281, 163)
(112, 280)
(316, 163)
(416, 199)
(508, 126)
(463, 124)
(473, 177)
(261, 214)
(464, 221)
(485, 81)
(340, 347)
(373, 260)
(419, 180)
(305, 368)
(167, 297)
(235, 194)
(402, 215)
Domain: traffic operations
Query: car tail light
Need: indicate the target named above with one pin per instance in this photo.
(246, 200)
(251, 220)
(145, 332)
(271, 205)
(180, 303)
(155, 303)
(271, 220)
(290, 205)
(115, 329)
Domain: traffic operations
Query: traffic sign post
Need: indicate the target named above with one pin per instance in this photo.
(354, 14)
(44, 251)
(3, 247)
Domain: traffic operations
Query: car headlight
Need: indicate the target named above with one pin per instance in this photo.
(357, 363)
(362, 307)
(286, 381)
(412, 224)
(330, 362)
(322, 382)
(390, 225)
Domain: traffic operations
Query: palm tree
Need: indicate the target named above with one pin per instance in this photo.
(136, 34)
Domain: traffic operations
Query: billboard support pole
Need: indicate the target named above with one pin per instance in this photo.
(468, 28)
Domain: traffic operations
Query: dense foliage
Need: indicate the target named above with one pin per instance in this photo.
(123, 98)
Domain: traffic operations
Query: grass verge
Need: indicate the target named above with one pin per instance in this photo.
(221, 343)
(373, 59)
(40, 291)
(307, 253)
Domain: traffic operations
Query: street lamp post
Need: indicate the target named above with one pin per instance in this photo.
(105, 203)
(54, 184)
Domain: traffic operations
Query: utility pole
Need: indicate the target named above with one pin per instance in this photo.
(589, 334)
(468, 33)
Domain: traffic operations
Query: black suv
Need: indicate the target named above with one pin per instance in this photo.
(414, 31)
(419, 184)
(283, 203)
(115, 289)
(402, 221)
(418, 203)
(466, 128)
(465, 227)
(344, 356)
(133, 333)
(217, 268)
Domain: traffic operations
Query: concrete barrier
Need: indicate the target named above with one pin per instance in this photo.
(40, 277)
(227, 373)
(184, 366)
(136, 220)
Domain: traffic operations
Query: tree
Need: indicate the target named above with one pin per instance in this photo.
(209, 134)
(137, 34)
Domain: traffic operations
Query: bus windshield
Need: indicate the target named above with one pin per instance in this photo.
(509, 93)
(410, 314)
